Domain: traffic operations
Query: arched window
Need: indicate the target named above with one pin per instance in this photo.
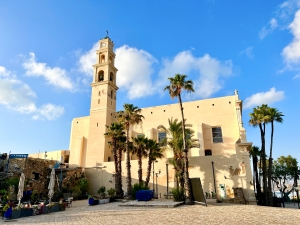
(102, 59)
(101, 76)
(111, 77)
(207, 152)
(110, 59)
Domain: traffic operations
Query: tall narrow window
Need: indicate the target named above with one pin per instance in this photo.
(98, 101)
(217, 134)
(111, 77)
(111, 94)
(102, 58)
(162, 138)
(101, 76)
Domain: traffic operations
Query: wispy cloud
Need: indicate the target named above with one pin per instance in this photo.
(268, 28)
(55, 76)
(297, 76)
(248, 52)
(18, 96)
(260, 98)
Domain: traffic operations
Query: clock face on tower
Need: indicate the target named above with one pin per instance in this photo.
(103, 44)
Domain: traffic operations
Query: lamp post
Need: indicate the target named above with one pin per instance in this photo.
(154, 161)
(157, 183)
(61, 164)
(167, 180)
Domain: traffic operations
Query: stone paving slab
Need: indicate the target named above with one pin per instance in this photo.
(82, 214)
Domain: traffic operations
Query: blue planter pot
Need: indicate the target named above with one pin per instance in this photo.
(93, 201)
(16, 214)
(26, 212)
(8, 213)
(55, 208)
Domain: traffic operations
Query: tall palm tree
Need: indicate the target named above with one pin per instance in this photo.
(115, 131)
(273, 116)
(154, 152)
(130, 116)
(139, 148)
(259, 117)
(255, 153)
(178, 83)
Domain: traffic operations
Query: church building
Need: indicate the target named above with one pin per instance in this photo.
(222, 161)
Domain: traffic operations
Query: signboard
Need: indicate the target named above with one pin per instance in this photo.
(197, 191)
(19, 156)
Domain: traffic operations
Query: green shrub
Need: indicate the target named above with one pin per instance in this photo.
(101, 191)
(178, 194)
(111, 192)
(138, 187)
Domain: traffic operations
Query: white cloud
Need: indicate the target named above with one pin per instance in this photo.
(136, 67)
(88, 59)
(297, 76)
(54, 76)
(49, 111)
(135, 70)
(264, 98)
(18, 96)
(209, 72)
(248, 52)
(273, 24)
(291, 53)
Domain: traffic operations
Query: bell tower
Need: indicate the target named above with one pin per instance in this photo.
(103, 103)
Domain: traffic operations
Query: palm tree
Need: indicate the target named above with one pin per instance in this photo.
(259, 117)
(273, 116)
(255, 153)
(177, 84)
(154, 152)
(175, 142)
(115, 131)
(130, 116)
(139, 148)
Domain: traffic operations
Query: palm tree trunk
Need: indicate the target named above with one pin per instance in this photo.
(148, 172)
(119, 175)
(117, 184)
(187, 186)
(270, 167)
(264, 164)
(128, 166)
(140, 167)
(258, 188)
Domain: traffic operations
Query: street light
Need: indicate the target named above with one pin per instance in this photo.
(61, 164)
(154, 161)
(157, 183)
(167, 180)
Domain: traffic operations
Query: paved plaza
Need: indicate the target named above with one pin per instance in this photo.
(81, 213)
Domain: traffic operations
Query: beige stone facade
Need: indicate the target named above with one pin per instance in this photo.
(222, 158)
(57, 155)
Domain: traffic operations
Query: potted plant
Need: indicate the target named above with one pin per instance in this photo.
(55, 207)
(7, 211)
(93, 200)
(112, 194)
(102, 194)
(26, 211)
(16, 212)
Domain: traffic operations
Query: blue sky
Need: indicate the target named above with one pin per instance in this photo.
(47, 49)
